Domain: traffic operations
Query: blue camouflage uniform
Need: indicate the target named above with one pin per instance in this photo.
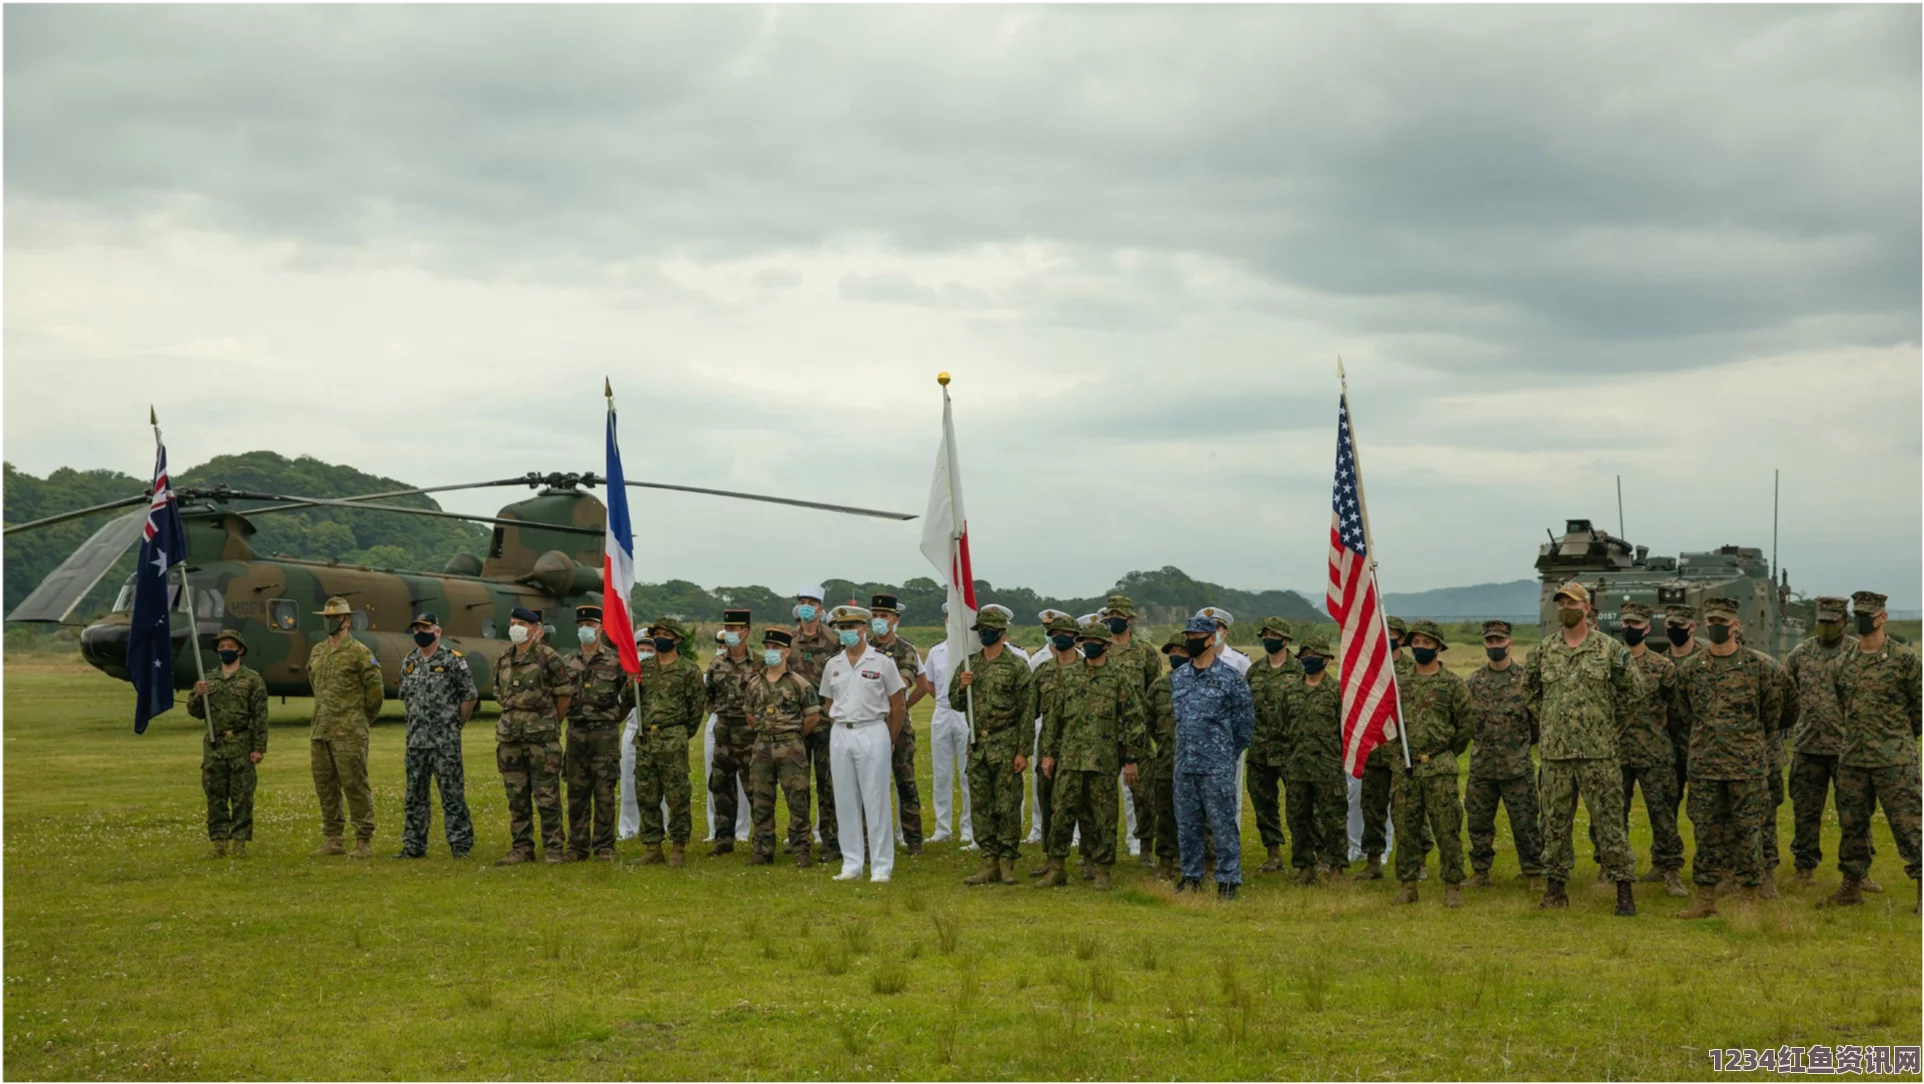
(1215, 716)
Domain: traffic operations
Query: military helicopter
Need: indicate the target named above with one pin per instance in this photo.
(545, 554)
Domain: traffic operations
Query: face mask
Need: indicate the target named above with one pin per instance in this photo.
(423, 639)
(586, 635)
(518, 634)
(1866, 624)
(1117, 625)
(1497, 654)
(228, 657)
(1272, 646)
(732, 639)
(988, 636)
(879, 626)
(1830, 631)
(1719, 634)
(1395, 645)
(1633, 635)
(1423, 655)
(849, 637)
(337, 624)
(1094, 649)
(1569, 619)
(1176, 661)
(1063, 642)
(1677, 634)
(771, 657)
(805, 612)
(1219, 636)
(645, 649)
(664, 644)
(1313, 664)
(1196, 646)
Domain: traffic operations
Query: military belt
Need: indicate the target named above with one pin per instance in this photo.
(859, 725)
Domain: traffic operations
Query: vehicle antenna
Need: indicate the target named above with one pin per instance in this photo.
(1620, 533)
(1775, 477)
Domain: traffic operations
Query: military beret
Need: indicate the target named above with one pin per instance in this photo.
(736, 617)
(778, 637)
(1680, 614)
(1720, 606)
(1496, 628)
(424, 620)
(842, 615)
(1830, 607)
(1277, 625)
(1573, 591)
(1199, 623)
(1059, 622)
(1119, 606)
(1096, 630)
(810, 590)
(991, 617)
(522, 613)
(886, 603)
(1399, 626)
(1315, 643)
(1867, 602)
(1217, 614)
(1634, 609)
(1432, 630)
(231, 634)
(587, 613)
(669, 626)
(1174, 643)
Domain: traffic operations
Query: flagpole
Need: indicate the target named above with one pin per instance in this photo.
(187, 594)
(955, 536)
(1362, 506)
(634, 679)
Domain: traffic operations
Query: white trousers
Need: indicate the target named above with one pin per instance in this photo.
(629, 825)
(1129, 817)
(744, 817)
(1035, 803)
(859, 761)
(949, 749)
(1354, 787)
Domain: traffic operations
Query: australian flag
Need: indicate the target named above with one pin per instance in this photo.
(150, 642)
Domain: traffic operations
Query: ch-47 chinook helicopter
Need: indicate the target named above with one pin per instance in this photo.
(545, 554)
(1774, 616)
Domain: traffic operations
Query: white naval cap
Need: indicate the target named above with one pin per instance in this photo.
(1047, 615)
(1216, 614)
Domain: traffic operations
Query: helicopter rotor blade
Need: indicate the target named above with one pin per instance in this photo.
(847, 509)
(54, 600)
(331, 502)
(527, 480)
(48, 521)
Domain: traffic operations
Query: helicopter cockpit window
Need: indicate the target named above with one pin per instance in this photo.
(282, 615)
(124, 602)
(209, 605)
(359, 621)
(495, 544)
(487, 627)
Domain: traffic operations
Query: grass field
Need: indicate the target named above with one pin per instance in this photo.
(129, 956)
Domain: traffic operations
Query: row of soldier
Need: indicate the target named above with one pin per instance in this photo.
(1095, 709)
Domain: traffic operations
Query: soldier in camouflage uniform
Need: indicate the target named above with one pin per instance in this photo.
(1438, 720)
(601, 696)
(815, 644)
(1680, 634)
(1646, 753)
(727, 683)
(532, 686)
(886, 614)
(1582, 687)
(1268, 677)
(1005, 702)
(1051, 668)
(1818, 737)
(673, 701)
(1374, 796)
(1877, 685)
(1731, 696)
(1312, 769)
(1500, 766)
(1129, 653)
(439, 694)
(783, 711)
(1095, 727)
(1214, 719)
(347, 696)
(235, 698)
(1161, 767)
(1774, 792)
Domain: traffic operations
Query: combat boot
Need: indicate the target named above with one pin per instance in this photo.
(1480, 879)
(1866, 884)
(760, 859)
(990, 874)
(362, 849)
(1225, 890)
(1407, 894)
(1085, 870)
(1803, 878)
(553, 858)
(677, 855)
(218, 850)
(722, 847)
(1849, 895)
(1673, 884)
(1146, 856)
(1603, 876)
(650, 855)
(1767, 890)
(1626, 900)
(1006, 869)
(1041, 869)
(1305, 876)
(1452, 895)
(331, 846)
(237, 848)
(802, 859)
(514, 858)
(1189, 884)
(1423, 874)
(1102, 878)
(1704, 906)
(1275, 861)
(1651, 876)
(1373, 867)
(1165, 869)
(1554, 897)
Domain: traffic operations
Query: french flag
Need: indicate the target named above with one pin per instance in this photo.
(618, 558)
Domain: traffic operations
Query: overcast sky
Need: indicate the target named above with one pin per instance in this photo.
(1551, 245)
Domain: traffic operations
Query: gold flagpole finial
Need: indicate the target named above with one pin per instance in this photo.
(152, 418)
(607, 388)
(942, 379)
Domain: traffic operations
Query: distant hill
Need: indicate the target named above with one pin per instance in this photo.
(1517, 598)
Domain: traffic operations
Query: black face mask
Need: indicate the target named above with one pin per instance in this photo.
(1094, 649)
(1678, 634)
(337, 624)
(1063, 641)
(1196, 645)
(1273, 646)
(1395, 645)
(1117, 625)
(1866, 624)
(664, 644)
(1312, 664)
(1497, 654)
(228, 658)
(1719, 634)
(988, 636)
(423, 639)
(1423, 655)
(1176, 661)
(1633, 635)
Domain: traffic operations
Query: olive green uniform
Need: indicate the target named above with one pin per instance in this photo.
(237, 703)
(347, 696)
(528, 681)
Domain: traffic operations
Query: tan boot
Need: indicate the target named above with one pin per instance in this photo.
(1603, 877)
(237, 848)
(1102, 878)
(1452, 896)
(677, 855)
(1373, 868)
(1305, 876)
(1704, 906)
(1053, 875)
(1768, 889)
(989, 874)
(650, 855)
(802, 859)
(1673, 884)
(1480, 879)
(1166, 869)
(331, 846)
(514, 858)
(1850, 895)
(218, 850)
(362, 849)
(1006, 868)
(1651, 876)
(1803, 878)
(1407, 894)
(1275, 861)
(1865, 883)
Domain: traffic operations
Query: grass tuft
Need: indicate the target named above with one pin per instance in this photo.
(1086, 945)
(948, 928)
(855, 934)
(890, 978)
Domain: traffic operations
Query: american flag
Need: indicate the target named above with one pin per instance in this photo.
(1370, 712)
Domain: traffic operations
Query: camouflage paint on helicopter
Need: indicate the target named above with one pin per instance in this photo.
(1774, 616)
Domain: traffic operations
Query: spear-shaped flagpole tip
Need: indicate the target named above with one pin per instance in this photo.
(152, 418)
(942, 379)
(607, 389)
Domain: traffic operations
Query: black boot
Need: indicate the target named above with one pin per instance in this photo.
(1553, 896)
(1225, 890)
(1626, 901)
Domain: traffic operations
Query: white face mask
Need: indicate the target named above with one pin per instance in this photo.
(645, 652)
(732, 639)
(1219, 637)
(587, 634)
(518, 634)
(880, 625)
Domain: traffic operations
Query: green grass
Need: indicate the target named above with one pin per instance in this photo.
(128, 955)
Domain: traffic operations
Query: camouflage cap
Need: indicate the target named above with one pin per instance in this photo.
(849, 614)
(1867, 602)
(1278, 626)
(1637, 610)
(1832, 608)
(1432, 630)
(997, 607)
(1217, 614)
(1573, 591)
(1315, 643)
(1201, 624)
(1495, 628)
(1057, 621)
(1720, 606)
(991, 617)
(1096, 630)
(1174, 643)
(670, 626)
(230, 634)
(424, 620)
(335, 607)
(1679, 614)
(1119, 606)
(1399, 626)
